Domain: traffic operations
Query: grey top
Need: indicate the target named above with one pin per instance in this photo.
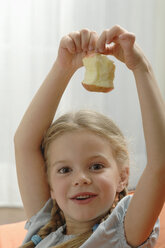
(109, 233)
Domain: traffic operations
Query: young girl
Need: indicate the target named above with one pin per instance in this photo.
(82, 202)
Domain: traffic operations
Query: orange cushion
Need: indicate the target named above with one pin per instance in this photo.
(12, 235)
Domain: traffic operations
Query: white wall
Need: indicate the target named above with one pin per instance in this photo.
(30, 32)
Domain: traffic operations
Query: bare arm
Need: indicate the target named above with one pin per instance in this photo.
(29, 160)
(149, 196)
(32, 179)
(153, 115)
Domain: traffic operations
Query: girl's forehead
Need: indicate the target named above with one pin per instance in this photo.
(84, 144)
(80, 136)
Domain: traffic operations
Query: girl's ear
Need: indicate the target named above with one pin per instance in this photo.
(123, 182)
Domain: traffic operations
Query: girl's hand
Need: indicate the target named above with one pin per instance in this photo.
(74, 46)
(121, 44)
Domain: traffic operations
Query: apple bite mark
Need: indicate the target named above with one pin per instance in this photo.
(99, 74)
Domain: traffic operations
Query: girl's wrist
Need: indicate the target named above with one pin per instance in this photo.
(143, 66)
(63, 69)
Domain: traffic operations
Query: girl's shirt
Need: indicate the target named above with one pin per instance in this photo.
(109, 233)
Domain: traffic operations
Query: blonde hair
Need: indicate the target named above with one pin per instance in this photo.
(100, 125)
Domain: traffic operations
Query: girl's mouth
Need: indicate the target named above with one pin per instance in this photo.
(84, 198)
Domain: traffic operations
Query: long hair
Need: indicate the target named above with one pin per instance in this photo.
(100, 125)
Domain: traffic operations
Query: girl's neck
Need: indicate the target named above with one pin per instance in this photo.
(76, 227)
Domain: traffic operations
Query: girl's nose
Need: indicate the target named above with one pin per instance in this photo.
(81, 179)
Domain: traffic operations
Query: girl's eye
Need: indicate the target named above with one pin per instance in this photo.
(64, 170)
(96, 166)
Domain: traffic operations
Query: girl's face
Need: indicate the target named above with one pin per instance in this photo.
(84, 177)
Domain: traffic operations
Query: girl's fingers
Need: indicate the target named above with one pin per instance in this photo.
(100, 45)
(76, 39)
(85, 37)
(68, 43)
(92, 41)
(86, 40)
(108, 36)
(127, 39)
(80, 41)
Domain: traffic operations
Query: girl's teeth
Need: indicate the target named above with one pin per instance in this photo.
(83, 197)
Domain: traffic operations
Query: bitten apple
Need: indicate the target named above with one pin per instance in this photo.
(99, 74)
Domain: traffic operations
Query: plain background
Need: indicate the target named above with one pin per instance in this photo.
(30, 32)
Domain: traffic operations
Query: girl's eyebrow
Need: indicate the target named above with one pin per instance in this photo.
(101, 156)
(59, 162)
(97, 156)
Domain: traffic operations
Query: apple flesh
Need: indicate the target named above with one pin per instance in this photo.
(99, 74)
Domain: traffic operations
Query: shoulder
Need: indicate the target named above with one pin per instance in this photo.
(38, 220)
(110, 233)
(116, 218)
(115, 222)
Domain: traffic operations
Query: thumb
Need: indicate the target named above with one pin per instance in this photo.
(126, 41)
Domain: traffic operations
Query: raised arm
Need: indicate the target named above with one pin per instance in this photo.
(31, 174)
(149, 196)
